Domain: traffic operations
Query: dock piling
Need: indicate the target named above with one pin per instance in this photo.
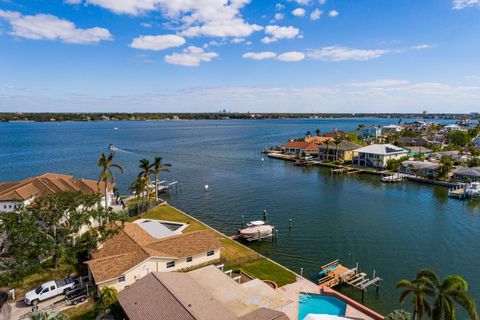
(290, 224)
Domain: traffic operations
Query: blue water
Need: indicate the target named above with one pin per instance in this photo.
(395, 229)
(319, 304)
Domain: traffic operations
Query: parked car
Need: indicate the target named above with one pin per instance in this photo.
(49, 290)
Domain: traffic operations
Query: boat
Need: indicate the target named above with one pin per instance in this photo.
(397, 177)
(256, 230)
(473, 189)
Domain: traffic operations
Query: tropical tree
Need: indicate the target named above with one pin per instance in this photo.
(452, 291)
(42, 315)
(446, 166)
(317, 131)
(138, 189)
(145, 173)
(108, 298)
(106, 164)
(337, 141)
(116, 193)
(328, 147)
(420, 289)
(157, 168)
(399, 315)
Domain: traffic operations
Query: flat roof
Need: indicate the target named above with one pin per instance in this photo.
(156, 228)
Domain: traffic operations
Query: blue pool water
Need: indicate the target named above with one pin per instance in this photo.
(319, 304)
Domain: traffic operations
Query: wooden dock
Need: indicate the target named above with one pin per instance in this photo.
(333, 274)
(345, 170)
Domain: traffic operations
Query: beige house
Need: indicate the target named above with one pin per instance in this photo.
(147, 246)
(21, 193)
(344, 151)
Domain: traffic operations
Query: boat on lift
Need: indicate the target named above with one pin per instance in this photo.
(256, 230)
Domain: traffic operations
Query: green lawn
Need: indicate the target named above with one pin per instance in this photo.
(264, 269)
(85, 311)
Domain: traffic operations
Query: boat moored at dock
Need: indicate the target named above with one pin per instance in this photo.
(256, 230)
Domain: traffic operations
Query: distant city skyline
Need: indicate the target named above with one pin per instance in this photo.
(309, 56)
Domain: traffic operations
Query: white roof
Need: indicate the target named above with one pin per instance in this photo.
(392, 126)
(381, 149)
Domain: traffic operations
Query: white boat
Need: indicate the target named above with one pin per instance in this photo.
(473, 189)
(397, 177)
(256, 230)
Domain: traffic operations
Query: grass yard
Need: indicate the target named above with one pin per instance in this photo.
(84, 311)
(264, 269)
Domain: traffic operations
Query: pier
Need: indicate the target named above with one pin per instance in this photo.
(333, 274)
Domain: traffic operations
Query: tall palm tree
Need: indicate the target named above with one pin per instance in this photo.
(138, 189)
(327, 142)
(453, 290)
(146, 172)
(317, 131)
(157, 168)
(420, 289)
(106, 164)
(337, 141)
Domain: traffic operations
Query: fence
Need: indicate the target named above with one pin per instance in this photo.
(240, 260)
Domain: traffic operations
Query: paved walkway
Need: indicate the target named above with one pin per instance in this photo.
(292, 291)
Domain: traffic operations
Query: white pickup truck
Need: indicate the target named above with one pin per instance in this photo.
(49, 290)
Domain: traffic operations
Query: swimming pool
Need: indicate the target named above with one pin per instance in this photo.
(320, 304)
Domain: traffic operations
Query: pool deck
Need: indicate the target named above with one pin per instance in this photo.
(292, 292)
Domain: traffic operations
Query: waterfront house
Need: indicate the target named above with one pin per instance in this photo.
(452, 127)
(21, 193)
(467, 174)
(203, 294)
(455, 155)
(377, 155)
(299, 147)
(413, 141)
(335, 133)
(370, 132)
(146, 246)
(421, 168)
(391, 129)
(344, 151)
(317, 139)
(417, 151)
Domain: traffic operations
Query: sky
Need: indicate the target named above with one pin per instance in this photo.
(240, 55)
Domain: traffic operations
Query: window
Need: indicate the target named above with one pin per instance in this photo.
(170, 264)
(210, 253)
(52, 288)
(45, 290)
(121, 279)
(189, 259)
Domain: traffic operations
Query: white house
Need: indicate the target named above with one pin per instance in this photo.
(370, 131)
(377, 155)
(22, 193)
(146, 246)
(452, 127)
(391, 129)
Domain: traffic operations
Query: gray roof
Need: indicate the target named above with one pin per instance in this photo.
(421, 165)
(381, 149)
(344, 145)
(474, 171)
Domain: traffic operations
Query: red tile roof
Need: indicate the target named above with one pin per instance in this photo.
(301, 145)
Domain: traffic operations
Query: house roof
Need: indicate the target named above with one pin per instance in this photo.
(301, 145)
(178, 295)
(343, 146)
(421, 165)
(473, 172)
(317, 139)
(383, 149)
(132, 245)
(335, 133)
(48, 183)
(418, 150)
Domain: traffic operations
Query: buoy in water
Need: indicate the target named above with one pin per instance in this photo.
(206, 187)
(262, 159)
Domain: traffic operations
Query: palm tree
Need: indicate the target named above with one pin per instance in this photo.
(337, 141)
(157, 168)
(106, 163)
(328, 147)
(308, 134)
(453, 290)
(146, 172)
(317, 131)
(420, 288)
(138, 188)
(446, 166)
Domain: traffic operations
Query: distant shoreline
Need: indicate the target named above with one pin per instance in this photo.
(86, 117)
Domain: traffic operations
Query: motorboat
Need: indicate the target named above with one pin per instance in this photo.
(256, 230)
(473, 189)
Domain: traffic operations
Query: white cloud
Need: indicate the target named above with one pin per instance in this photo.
(334, 53)
(279, 6)
(259, 55)
(316, 14)
(146, 25)
(276, 33)
(278, 16)
(237, 40)
(190, 57)
(303, 2)
(333, 13)
(422, 46)
(322, 1)
(157, 43)
(49, 27)
(291, 56)
(72, 1)
(462, 4)
(212, 18)
(299, 12)
(379, 83)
